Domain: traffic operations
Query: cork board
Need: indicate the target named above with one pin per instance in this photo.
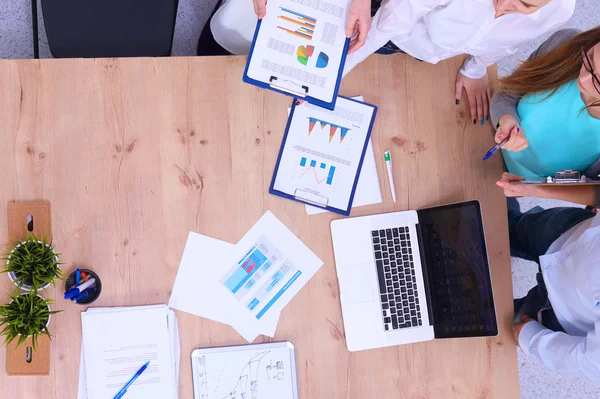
(24, 217)
(23, 361)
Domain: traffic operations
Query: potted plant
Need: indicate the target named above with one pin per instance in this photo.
(32, 264)
(27, 315)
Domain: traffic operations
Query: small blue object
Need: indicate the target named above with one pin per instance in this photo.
(131, 381)
(495, 148)
(77, 277)
(84, 295)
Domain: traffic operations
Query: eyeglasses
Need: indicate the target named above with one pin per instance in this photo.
(587, 64)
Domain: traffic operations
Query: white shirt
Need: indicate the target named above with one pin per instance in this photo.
(233, 26)
(571, 270)
(435, 30)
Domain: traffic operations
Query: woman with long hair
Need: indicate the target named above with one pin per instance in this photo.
(550, 106)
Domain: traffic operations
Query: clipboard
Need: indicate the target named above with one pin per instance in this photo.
(266, 370)
(281, 84)
(563, 178)
(310, 198)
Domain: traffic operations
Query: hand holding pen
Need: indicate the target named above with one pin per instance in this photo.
(511, 129)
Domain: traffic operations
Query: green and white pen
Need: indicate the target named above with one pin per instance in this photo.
(388, 164)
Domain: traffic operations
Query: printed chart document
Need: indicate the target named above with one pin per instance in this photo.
(263, 371)
(118, 341)
(300, 48)
(322, 153)
(368, 191)
(192, 292)
(257, 278)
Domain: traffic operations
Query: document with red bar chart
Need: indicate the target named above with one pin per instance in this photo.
(258, 277)
(299, 49)
(322, 153)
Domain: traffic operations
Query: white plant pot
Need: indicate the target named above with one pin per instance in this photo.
(49, 309)
(13, 276)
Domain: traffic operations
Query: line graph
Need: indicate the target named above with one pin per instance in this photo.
(318, 173)
(333, 128)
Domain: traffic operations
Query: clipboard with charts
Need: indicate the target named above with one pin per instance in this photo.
(322, 153)
(299, 49)
(265, 371)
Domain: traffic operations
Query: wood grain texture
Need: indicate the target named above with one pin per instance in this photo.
(134, 153)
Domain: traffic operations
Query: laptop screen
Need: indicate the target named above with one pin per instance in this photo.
(457, 271)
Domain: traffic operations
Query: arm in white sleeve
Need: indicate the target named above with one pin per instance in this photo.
(394, 18)
(558, 351)
(475, 67)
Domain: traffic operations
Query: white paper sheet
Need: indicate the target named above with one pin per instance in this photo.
(262, 273)
(201, 255)
(117, 341)
(322, 152)
(300, 44)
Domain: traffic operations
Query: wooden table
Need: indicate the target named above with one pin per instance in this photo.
(135, 153)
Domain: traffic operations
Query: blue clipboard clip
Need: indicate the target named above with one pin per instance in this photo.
(284, 85)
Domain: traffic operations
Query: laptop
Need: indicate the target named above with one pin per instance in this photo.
(414, 276)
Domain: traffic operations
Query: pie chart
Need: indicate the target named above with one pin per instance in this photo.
(322, 60)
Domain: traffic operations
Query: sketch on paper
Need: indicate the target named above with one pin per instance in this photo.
(247, 384)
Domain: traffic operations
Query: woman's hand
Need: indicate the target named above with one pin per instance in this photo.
(260, 8)
(509, 125)
(358, 24)
(513, 186)
(479, 92)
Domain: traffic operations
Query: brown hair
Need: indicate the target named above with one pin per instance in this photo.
(551, 70)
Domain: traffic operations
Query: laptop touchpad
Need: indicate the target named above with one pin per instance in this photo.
(356, 282)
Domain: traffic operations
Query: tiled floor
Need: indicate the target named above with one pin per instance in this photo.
(536, 382)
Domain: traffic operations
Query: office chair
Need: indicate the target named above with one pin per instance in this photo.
(108, 28)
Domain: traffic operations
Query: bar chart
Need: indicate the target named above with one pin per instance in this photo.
(316, 170)
(297, 24)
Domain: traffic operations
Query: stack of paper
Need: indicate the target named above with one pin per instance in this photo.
(118, 341)
(244, 285)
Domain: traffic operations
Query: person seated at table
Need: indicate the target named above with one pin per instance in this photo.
(435, 30)
(555, 97)
(558, 321)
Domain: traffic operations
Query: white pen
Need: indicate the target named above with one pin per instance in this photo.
(388, 163)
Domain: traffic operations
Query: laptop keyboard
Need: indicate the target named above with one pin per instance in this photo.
(397, 280)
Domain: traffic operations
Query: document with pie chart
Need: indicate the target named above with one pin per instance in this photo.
(322, 153)
(299, 49)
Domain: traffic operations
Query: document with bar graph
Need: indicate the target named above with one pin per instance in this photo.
(299, 49)
(262, 273)
(322, 153)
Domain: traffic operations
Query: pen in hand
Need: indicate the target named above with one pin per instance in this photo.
(495, 148)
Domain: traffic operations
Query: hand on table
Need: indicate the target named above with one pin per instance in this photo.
(509, 125)
(479, 95)
(512, 186)
(519, 326)
(358, 23)
(260, 8)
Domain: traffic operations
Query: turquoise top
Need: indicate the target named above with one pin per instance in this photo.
(561, 133)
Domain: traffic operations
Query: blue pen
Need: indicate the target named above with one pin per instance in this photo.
(83, 295)
(131, 381)
(495, 148)
(77, 277)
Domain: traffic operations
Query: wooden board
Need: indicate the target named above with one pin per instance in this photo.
(134, 153)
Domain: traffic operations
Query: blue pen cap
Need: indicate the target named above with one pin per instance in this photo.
(97, 287)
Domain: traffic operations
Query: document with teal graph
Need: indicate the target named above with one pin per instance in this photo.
(322, 153)
(258, 277)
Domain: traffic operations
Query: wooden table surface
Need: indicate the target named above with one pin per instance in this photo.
(135, 153)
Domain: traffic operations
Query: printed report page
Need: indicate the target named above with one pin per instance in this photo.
(300, 44)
